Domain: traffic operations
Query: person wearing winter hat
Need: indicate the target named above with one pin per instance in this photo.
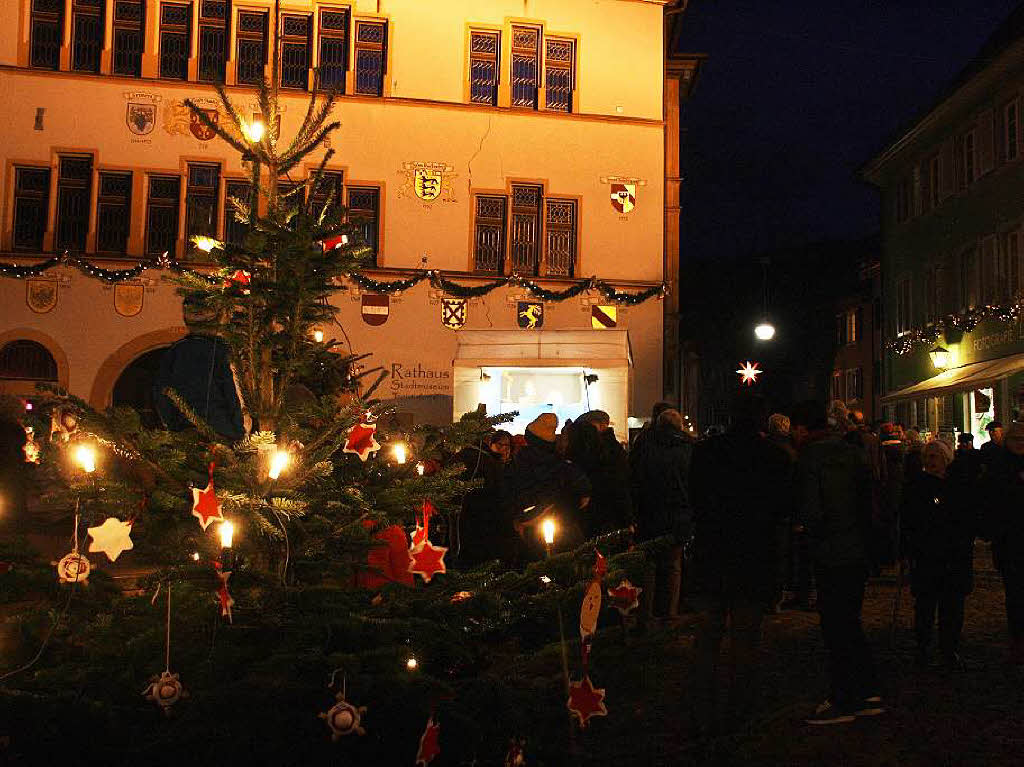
(542, 483)
(939, 526)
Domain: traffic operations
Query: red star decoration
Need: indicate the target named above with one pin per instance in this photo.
(361, 440)
(225, 599)
(625, 597)
(430, 745)
(427, 560)
(420, 535)
(205, 506)
(585, 701)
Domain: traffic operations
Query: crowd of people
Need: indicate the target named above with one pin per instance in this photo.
(793, 511)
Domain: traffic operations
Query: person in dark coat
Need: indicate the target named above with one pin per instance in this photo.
(594, 449)
(739, 495)
(1005, 527)
(835, 507)
(544, 484)
(939, 526)
(660, 468)
(486, 529)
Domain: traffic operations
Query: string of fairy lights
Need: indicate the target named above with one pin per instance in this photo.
(962, 322)
(434, 276)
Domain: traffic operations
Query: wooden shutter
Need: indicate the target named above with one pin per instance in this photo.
(947, 182)
(986, 142)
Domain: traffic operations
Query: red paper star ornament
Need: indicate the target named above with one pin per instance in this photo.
(585, 701)
(427, 560)
(430, 744)
(625, 597)
(361, 440)
(205, 506)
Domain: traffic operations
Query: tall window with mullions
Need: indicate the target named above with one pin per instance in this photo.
(113, 212)
(489, 234)
(31, 206)
(525, 229)
(201, 202)
(129, 16)
(175, 42)
(74, 184)
(235, 230)
(327, 198)
(525, 66)
(251, 55)
(333, 49)
(371, 57)
(559, 66)
(296, 31)
(213, 40)
(364, 212)
(86, 35)
(560, 237)
(45, 30)
(162, 215)
(484, 67)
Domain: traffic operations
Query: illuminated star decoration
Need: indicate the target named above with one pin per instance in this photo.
(239, 277)
(223, 597)
(361, 440)
(205, 506)
(112, 537)
(585, 701)
(625, 597)
(749, 373)
(430, 745)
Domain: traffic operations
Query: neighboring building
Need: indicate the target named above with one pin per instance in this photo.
(856, 367)
(479, 139)
(952, 216)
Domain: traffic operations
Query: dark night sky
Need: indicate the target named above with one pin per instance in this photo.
(795, 96)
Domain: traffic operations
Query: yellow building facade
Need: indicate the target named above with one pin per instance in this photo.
(480, 139)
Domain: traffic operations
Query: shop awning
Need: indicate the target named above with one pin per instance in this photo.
(584, 348)
(976, 375)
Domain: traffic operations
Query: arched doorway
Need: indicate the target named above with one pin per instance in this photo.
(23, 364)
(134, 387)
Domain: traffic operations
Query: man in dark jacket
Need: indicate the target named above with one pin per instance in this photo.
(1005, 526)
(543, 483)
(834, 506)
(660, 473)
(739, 495)
(593, 447)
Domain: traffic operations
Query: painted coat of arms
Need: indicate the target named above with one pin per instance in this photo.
(623, 191)
(128, 299)
(179, 119)
(530, 315)
(41, 295)
(428, 181)
(453, 312)
(140, 112)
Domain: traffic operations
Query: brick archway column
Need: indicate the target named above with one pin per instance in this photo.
(54, 348)
(112, 367)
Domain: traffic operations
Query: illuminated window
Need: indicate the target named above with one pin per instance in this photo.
(46, 28)
(201, 199)
(489, 234)
(213, 40)
(525, 66)
(86, 35)
(162, 214)
(484, 50)
(175, 43)
(296, 34)
(113, 212)
(251, 47)
(129, 16)
(27, 360)
(74, 183)
(333, 45)
(371, 56)
(364, 212)
(559, 65)
(31, 204)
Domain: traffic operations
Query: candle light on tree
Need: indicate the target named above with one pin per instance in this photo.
(399, 452)
(85, 457)
(548, 528)
(278, 463)
(227, 533)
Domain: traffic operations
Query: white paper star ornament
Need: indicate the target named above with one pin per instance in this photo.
(112, 538)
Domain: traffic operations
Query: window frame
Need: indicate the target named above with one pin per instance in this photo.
(559, 66)
(294, 40)
(245, 36)
(355, 213)
(167, 30)
(336, 34)
(49, 18)
(196, 194)
(487, 223)
(1011, 130)
(231, 185)
(72, 190)
(123, 26)
(969, 161)
(27, 195)
(530, 98)
(165, 203)
(570, 231)
(479, 57)
(95, 11)
(34, 348)
(365, 46)
(122, 212)
(212, 23)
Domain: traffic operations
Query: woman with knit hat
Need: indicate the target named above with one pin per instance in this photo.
(1006, 528)
(939, 527)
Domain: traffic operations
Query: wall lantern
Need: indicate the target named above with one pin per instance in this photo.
(940, 357)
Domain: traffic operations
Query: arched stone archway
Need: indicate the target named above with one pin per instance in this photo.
(112, 367)
(51, 345)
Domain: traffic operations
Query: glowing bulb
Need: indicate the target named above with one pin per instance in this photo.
(545, 580)
(765, 331)
(255, 131)
(195, 556)
(85, 456)
(548, 528)
(204, 243)
(227, 533)
(28, 406)
(278, 462)
(399, 452)
(318, 335)
(412, 664)
(420, 468)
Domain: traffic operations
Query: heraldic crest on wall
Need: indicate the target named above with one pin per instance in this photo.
(180, 120)
(41, 295)
(453, 312)
(128, 299)
(428, 181)
(140, 112)
(530, 315)
(623, 191)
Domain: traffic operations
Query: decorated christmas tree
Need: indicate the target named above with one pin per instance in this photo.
(290, 586)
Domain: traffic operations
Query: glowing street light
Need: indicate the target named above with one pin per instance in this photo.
(254, 131)
(940, 357)
(85, 457)
(227, 533)
(765, 331)
(278, 462)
